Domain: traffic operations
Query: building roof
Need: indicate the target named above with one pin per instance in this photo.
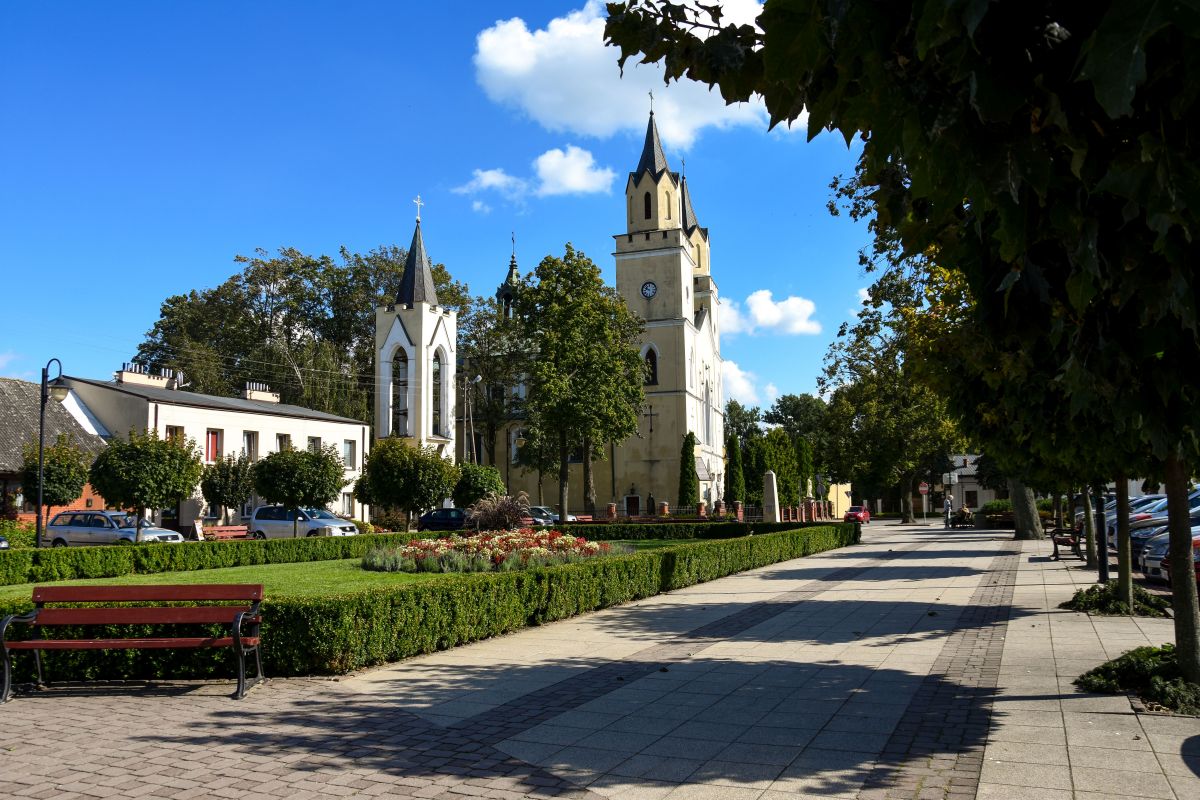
(688, 217)
(179, 397)
(19, 424)
(653, 159)
(417, 284)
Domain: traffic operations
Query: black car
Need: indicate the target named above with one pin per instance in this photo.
(442, 519)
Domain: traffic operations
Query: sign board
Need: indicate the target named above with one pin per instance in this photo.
(923, 488)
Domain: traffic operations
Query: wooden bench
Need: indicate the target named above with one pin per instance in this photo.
(220, 532)
(242, 620)
(1067, 537)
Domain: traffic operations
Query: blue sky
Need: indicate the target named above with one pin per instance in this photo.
(144, 145)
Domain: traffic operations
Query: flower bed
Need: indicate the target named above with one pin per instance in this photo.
(489, 551)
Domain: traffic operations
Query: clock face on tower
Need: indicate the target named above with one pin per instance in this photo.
(649, 289)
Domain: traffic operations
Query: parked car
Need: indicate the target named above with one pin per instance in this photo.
(88, 528)
(442, 519)
(1149, 515)
(1149, 560)
(277, 522)
(3, 543)
(858, 514)
(1166, 566)
(539, 515)
(547, 513)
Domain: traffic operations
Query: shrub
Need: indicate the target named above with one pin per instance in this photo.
(1044, 504)
(389, 519)
(1150, 672)
(1106, 600)
(997, 507)
(363, 527)
(498, 512)
(19, 534)
(476, 482)
(338, 633)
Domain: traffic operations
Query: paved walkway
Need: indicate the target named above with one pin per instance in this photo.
(920, 664)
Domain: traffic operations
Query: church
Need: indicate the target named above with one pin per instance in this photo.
(663, 272)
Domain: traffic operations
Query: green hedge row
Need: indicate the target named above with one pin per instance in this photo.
(603, 532)
(338, 633)
(68, 563)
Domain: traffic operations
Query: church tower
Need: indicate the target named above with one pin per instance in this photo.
(663, 274)
(415, 358)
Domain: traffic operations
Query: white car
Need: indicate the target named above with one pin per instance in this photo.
(276, 522)
(88, 528)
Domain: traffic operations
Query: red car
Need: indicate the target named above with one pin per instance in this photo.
(1166, 566)
(857, 514)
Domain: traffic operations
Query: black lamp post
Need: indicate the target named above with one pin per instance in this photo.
(58, 390)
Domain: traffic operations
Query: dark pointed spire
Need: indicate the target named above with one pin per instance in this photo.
(653, 158)
(417, 284)
(688, 215)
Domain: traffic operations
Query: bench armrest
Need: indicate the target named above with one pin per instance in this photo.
(29, 618)
(251, 619)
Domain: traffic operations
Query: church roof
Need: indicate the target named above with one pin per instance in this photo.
(417, 284)
(689, 214)
(653, 159)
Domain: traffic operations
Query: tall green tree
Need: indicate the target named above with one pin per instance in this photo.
(805, 466)
(780, 458)
(735, 478)
(228, 483)
(1073, 223)
(64, 471)
(742, 422)
(585, 383)
(803, 417)
(297, 479)
(144, 472)
(398, 475)
(689, 481)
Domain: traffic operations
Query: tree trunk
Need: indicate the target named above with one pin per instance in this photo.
(563, 474)
(489, 443)
(1089, 527)
(137, 525)
(1101, 535)
(1028, 525)
(295, 523)
(1183, 580)
(589, 484)
(541, 494)
(1124, 545)
(1058, 510)
(906, 506)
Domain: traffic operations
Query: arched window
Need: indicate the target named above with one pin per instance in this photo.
(400, 394)
(651, 366)
(646, 203)
(668, 205)
(436, 382)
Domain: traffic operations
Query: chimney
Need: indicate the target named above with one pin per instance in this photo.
(139, 375)
(256, 390)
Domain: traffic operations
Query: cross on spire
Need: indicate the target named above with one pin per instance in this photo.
(419, 202)
(651, 102)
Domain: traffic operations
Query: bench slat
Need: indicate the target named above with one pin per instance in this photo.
(135, 594)
(139, 616)
(130, 644)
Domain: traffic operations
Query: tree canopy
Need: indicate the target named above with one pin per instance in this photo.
(299, 479)
(229, 482)
(398, 475)
(64, 471)
(475, 482)
(145, 471)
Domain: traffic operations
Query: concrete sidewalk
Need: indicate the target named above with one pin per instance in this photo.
(921, 663)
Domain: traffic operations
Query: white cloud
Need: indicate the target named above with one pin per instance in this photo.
(739, 384)
(791, 315)
(481, 207)
(864, 295)
(496, 180)
(571, 172)
(565, 79)
(772, 392)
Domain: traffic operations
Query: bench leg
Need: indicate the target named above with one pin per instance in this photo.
(6, 687)
(242, 683)
(37, 661)
(1055, 556)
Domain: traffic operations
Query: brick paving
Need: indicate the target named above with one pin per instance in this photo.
(922, 663)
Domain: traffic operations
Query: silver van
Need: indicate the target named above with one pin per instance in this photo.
(276, 522)
(87, 528)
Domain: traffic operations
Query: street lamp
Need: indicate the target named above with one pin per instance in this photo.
(59, 391)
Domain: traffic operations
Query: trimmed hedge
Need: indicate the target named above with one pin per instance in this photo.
(603, 532)
(70, 563)
(339, 633)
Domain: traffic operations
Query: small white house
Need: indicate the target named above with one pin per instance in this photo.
(255, 424)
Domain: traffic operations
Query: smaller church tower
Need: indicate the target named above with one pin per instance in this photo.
(506, 293)
(415, 358)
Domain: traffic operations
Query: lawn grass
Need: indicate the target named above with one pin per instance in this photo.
(279, 580)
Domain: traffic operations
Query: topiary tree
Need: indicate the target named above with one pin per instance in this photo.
(804, 466)
(781, 459)
(735, 479)
(145, 471)
(299, 479)
(64, 471)
(475, 482)
(401, 476)
(228, 483)
(689, 481)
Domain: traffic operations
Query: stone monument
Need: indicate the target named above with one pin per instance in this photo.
(770, 498)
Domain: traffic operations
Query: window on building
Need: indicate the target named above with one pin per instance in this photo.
(250, 445)
(646, 203)
(212, 445)
(348, 504)
(436, 383)
(651, 367)
(349, 454)
(283, 441)
(314, 444)
(175, 433)
(668, 208)
(400, 394)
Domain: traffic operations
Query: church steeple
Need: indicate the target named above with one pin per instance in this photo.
(653, 159)
(688, 216)
(417, 284)
(507, 291)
